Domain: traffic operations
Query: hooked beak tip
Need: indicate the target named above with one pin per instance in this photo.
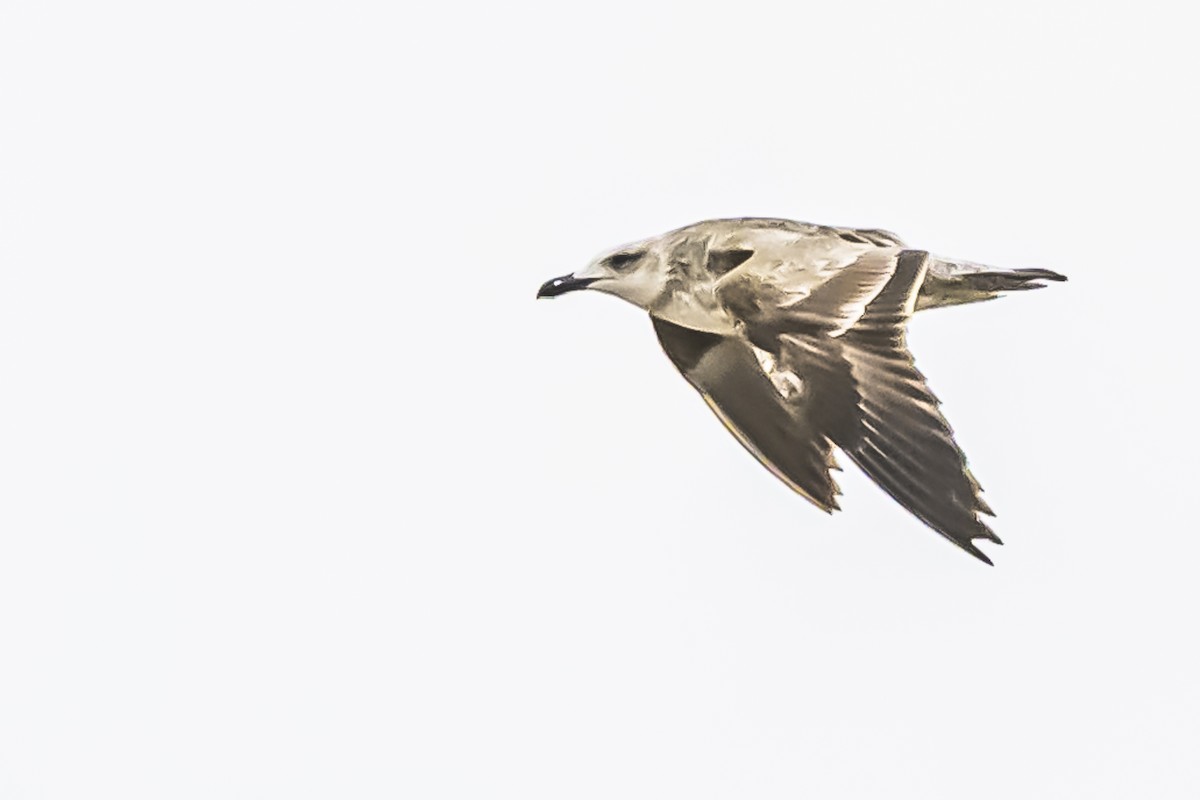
(567, 283)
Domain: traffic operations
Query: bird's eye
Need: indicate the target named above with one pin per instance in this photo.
(622, 261)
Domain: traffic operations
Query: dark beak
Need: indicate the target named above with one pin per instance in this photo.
(567, 283)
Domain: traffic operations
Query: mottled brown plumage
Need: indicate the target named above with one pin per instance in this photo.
(794, 335)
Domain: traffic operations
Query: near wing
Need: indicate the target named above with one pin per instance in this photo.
(905, 444)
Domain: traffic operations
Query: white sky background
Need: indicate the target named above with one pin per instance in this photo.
(302, 495)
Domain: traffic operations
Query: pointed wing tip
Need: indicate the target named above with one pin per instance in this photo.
(828, 504)
(987, 534)
(975, 551)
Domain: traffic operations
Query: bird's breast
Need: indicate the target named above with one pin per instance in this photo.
(698, 310)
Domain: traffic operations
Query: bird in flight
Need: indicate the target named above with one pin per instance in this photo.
(793, 334)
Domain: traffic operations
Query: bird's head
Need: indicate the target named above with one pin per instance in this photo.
(635, 273)
(673, 276)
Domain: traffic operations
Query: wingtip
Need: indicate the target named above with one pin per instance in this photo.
(975, 551)
(827, 504)
(987, 534)
(983, 507)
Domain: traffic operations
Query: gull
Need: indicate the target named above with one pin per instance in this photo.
(794, 334)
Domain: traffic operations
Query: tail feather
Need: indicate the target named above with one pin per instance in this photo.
(950, 283)
(1012, 281)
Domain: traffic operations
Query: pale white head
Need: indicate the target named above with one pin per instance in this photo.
(672, 276)
(636, 273)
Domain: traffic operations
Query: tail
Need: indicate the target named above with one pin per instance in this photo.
(951, 283)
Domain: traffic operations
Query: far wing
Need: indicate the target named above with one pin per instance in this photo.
(790, 442)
